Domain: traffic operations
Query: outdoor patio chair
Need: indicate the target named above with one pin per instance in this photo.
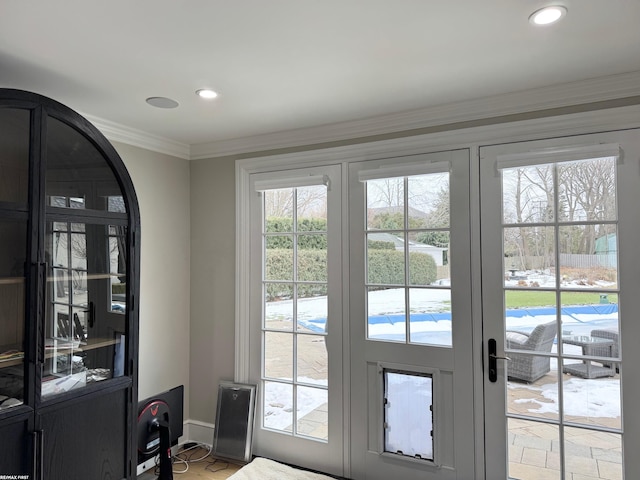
(525, 367)
(609, 334)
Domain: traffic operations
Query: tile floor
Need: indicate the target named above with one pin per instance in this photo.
(534, 448)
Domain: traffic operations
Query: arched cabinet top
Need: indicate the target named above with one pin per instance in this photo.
(76, 158)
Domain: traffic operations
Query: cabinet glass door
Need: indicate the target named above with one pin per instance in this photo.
(13, 235)
(85, 252)
(85, 327)
(14, 180)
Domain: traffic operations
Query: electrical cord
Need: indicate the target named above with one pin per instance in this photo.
(185, 458)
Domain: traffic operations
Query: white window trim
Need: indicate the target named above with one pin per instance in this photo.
(609, 119)
(557, 155)
(564, 125)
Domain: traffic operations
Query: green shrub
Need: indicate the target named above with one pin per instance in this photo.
(285, 224)
(312, 267)
(386, 267)
(305, 242)
(380, 245)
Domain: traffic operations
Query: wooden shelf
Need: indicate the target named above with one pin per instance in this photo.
(66, 347)
(10, 362)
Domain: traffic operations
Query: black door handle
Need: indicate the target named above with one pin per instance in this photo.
(493, 360)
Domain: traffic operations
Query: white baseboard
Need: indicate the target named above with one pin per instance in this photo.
(199, 432)
(192, 431)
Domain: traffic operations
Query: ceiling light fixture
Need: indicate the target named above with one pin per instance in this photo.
(206, 93)
(547, 15)
(162, 102)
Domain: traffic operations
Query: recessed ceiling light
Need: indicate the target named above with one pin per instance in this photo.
(162, 102)
(548, 15)
(206, 93)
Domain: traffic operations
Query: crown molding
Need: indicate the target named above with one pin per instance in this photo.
(409, 123)
(582, 92)
(138, 138)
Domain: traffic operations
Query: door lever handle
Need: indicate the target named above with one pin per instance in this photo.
(493, 360)
(496, 357)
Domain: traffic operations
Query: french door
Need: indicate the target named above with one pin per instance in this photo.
(450, 315)
(560, 284)
(410, 324)
(296, 318)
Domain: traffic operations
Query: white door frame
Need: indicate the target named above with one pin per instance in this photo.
(606, 119)
(628, 193)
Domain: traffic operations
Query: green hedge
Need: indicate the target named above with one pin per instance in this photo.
(312, 267)
(305, 242)
(380, 245)
(386, 267)
(285, 225)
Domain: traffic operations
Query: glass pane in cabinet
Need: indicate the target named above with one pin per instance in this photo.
(13, 240)
(78, 175)
(84, 317)
(14, 155)
(118, 268)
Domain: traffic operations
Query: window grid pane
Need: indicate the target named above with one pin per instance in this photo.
(295, 362)
(407, 245)
(561, 287)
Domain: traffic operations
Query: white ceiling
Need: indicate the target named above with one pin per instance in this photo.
(287, 64)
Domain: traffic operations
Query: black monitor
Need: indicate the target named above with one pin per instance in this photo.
(160, 419)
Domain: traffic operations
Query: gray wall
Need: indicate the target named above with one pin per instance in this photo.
(212, 282)
(162, 185)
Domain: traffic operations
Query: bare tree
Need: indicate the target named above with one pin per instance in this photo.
(589, 190)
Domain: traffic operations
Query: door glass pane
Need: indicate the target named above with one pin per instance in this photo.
(312, 364)
(312, 307)
(408, 240)
(279, 257)
(277, 411)
(312, 258)
(13, 242)
(592, 454)
(530, 256)
(14, 155)
(428, 201)
(561, 319)
(278, 353)
(386, 312)
(531, 450)
(385, 204)
(77, 174)
(295, 361)
(385, 259)
(430, 316)
(84, 322)
(528, 194)
(538, 398)
(588, 256)
(278, 306)
(588, 190)
(312, 416)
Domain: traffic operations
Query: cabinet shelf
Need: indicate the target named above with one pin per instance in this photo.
(56, 346)
(9, 361)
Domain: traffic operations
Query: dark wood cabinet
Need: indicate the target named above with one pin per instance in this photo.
(69, 284)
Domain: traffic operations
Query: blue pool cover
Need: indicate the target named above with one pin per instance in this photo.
(594, 311)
